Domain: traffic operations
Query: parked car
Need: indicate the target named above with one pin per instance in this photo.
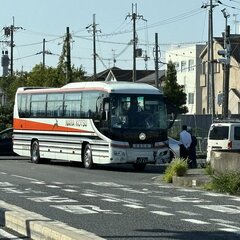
(174, 148)
(223, 136)
(6, 143)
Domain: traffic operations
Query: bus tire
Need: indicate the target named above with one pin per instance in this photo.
(87, 157)
(139, 166)
(35, 153)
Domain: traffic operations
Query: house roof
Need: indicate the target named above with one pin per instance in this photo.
(123, 75)
(150, 79)
(235, 46)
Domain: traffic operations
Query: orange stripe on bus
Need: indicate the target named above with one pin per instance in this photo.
(20, 124)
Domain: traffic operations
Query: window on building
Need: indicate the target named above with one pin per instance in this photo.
(204, 67)
(220, 99)
(176, 64)
(191, 65)
(183, 66)
(217, 67)
(190, 98)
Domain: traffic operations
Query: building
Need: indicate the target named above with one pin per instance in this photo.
(234, 86)
(189, 68)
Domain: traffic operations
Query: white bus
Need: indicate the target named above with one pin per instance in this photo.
(92, 123)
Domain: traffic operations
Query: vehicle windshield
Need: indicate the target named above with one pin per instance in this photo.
(138, 111)
(219, 133)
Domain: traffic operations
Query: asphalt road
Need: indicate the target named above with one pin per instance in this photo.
(119, 203)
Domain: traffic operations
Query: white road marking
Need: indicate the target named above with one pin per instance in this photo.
(222, 221)
(181, 199)
(229, 228)
(83, 209)
(113, 197)
(69, 190)
(133, 206)
(14, 190)
(55, 199)
(195, 221)
(109, 200)
(212, 194)
(157, 206)
(230, 209)
(89, 194)
(6, 184)
(52, 186)
(105, 184)
(58, 183)
(188, 190)
(8, 235)
(135, 191)
(162, 213)
(35, 181)
(235, 199)
(188, 213)
(38, 182)
(3, 173)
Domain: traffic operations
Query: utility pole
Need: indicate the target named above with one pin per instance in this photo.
(134, 16)
(44, 42)
(156, 61)
(226, 65)
(8, 31)
(210, 74)
(44, 52)
(68, 62)
(94, 31)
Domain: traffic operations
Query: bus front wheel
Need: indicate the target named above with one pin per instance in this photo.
(87, 157)
(35, 153)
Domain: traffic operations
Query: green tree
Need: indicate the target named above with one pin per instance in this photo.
(39, 76)
(173, 91)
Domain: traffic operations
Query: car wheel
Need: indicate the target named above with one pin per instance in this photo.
(87, 157)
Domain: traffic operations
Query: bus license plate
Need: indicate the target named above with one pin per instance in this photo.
(142, 160)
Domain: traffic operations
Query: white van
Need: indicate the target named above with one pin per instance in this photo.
(223, 135)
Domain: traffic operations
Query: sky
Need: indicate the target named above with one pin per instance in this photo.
(176, 22)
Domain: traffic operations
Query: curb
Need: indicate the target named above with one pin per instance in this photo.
(193, 178)
(36, 226)
(190, 181)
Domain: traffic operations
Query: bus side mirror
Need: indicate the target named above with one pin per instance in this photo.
(105, 111)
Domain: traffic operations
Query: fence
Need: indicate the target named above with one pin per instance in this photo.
(199, 124)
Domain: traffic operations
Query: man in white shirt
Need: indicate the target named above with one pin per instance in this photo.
(184, 142)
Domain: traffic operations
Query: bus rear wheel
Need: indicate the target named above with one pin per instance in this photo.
(35, 153)
(87, 157)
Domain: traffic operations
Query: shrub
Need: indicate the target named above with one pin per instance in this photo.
(209, 170)
(228, 182)
(178, 167)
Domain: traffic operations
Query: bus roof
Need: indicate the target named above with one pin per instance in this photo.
(116, 87)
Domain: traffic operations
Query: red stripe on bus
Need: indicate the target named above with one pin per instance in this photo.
(20, 124)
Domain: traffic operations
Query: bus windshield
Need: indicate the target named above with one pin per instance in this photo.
(138, 111)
